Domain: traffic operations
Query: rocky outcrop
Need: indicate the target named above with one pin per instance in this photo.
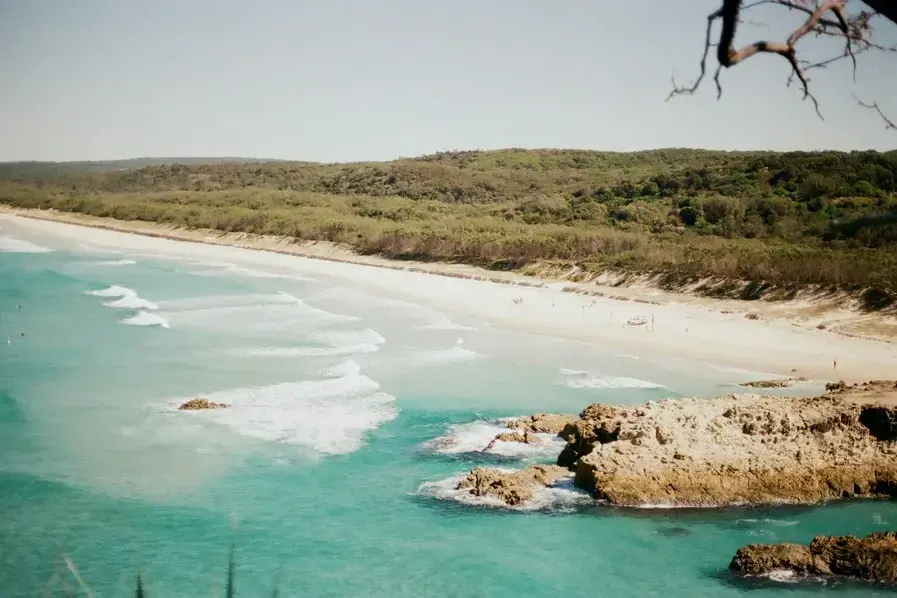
(511, 487)
(526, 438)
(201, 403)
(776, 383)
(740, 449)
(873, 558)
(541, 423)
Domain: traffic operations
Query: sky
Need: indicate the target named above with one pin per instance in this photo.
(347, 80)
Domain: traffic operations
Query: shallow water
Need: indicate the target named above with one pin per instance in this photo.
(326, 459)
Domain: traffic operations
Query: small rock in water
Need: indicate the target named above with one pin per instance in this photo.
(873, 558)
(201, 403)
(672, 531)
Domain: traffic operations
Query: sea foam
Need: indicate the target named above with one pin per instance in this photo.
(126, 298)
(583, 379)
(455, 354)
(339, 342)
(443, 323)
(145, 318)
(112, 291)
(328, 416)
(560, 497)
(11, 245)
(226, 268)
(474, 437)
(109, 263)
(269, 313)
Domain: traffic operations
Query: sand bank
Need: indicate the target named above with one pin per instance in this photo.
(642, 321)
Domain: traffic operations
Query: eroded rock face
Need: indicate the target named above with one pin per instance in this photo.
(598, 424)
(873, 558)
(740, 449)
(880, 421)
(513, 487)
(542, 423)
(201, 403)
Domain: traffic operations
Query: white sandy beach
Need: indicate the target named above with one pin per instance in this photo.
(674, 325)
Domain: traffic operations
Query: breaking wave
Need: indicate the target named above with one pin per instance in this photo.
(340, 342)
(113, 291)
(475, 437)
(443, 323)
(584, 379)
(126, 298)
(145, 318)
(328, 416)
(560, 497)
(110, 263)
(225, 268)
(10, 245)
(269, 313)
(456, 354)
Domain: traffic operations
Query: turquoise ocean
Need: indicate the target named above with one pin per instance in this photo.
(332, 471)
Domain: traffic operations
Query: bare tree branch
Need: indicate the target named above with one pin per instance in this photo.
(889, 124)
(824, 18)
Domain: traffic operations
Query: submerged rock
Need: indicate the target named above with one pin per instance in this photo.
(873, 558)
(201, 403)
(511, 487)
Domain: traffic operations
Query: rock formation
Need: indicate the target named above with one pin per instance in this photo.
(731, 450)
(541, 423)
(512, 487)
(873, 558)
(776, 383)
(526, 438)
(201, 403)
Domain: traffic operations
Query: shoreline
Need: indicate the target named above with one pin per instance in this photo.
(759, 336)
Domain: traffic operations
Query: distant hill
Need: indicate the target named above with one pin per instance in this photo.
(30, 170)
(777, 220)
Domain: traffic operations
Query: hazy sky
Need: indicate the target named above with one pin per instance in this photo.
(336, 80)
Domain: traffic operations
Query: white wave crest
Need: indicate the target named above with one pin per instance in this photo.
(131, 302)
(474, 437)
(259, 312)
(127, 298)
(338, 338)
(226, 268)
(10, 245)
(329, 416)
(457, 354)
(145, 318)
(769, 521)
(443, 323)
(342, 342)
(782, 576)
(583, 379)
(113, 291)
(560, 497)
(110, 263)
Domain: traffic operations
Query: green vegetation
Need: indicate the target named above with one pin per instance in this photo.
(679, 214)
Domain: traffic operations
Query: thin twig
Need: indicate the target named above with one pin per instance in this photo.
(854, 30)
(889, 124)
